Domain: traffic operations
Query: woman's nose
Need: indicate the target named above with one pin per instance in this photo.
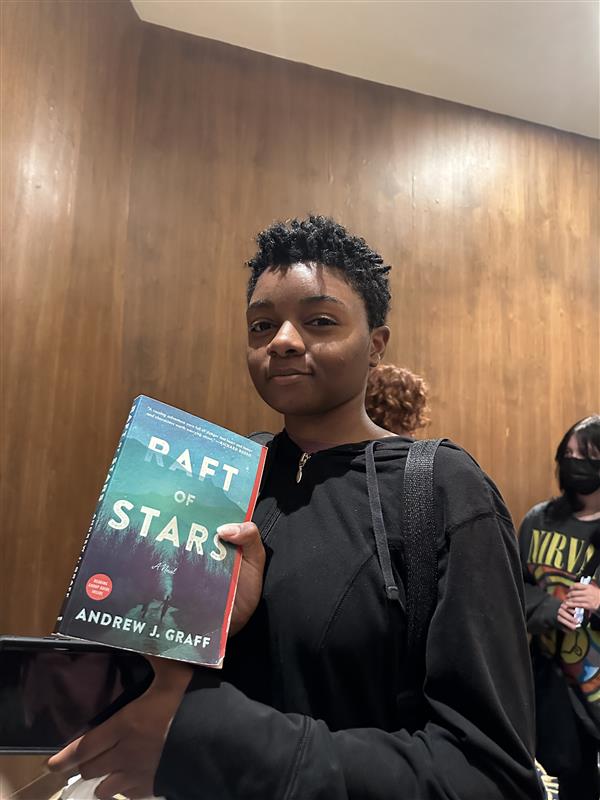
(287, 340)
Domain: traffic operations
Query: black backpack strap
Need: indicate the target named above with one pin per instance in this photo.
(420, 552)
(420, 546)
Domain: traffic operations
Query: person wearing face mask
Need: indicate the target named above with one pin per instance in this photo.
(559, 541)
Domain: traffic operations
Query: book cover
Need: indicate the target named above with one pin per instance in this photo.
(152, 575)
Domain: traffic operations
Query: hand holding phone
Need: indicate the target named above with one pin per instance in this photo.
(53, 690)
(125, 750)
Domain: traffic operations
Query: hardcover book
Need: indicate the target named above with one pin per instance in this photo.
(153, 575)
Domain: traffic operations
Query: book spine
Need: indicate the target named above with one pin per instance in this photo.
(238, 559)
(105, 486)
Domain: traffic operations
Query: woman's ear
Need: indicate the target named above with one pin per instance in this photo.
(379, 339)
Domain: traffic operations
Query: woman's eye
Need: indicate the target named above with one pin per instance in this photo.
(319, 321)
(260, 326)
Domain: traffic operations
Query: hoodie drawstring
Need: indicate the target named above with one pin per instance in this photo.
(381, 542)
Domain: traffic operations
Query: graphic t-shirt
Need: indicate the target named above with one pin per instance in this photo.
(554, 556)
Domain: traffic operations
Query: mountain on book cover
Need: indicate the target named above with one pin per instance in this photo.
(153, 576)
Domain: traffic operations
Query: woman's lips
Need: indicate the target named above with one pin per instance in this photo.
(284, 378)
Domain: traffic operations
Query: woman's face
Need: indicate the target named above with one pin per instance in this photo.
(573, 450)
(579, 472)
(309, 344)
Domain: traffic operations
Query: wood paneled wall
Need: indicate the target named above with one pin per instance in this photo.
(138, 163)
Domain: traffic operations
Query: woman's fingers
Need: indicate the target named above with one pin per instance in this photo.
(566, 618)
(115, 783)
(585, 596)
(97, 767)
(96, 742)
(247, 536)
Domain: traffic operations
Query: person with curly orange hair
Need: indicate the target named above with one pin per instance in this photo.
(396, 399)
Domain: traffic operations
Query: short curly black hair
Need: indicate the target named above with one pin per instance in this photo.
(321, 240)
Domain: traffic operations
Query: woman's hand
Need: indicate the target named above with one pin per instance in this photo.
(582, 595)
(128, 746)
(246, 536)
(565, 618)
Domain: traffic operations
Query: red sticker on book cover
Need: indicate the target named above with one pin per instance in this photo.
(98, 587)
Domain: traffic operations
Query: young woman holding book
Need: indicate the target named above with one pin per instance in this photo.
(314, 702)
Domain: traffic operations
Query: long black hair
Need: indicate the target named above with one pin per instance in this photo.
(587, 433)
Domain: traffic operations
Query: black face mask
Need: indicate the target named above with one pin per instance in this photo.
(580, 475)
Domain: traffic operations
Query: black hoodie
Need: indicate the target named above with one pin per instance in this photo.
(310, 703)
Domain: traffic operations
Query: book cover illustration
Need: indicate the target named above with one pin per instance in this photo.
(153, 576)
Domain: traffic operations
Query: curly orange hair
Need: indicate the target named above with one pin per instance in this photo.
(396, 399)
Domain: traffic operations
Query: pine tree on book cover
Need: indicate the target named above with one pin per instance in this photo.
(153, 576)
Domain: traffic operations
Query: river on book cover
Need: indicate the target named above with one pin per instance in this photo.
(158, 596)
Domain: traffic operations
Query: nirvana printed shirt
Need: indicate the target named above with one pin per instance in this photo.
(554, 556)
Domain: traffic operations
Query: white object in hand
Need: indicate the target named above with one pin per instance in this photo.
(78, 789)
(578, 612)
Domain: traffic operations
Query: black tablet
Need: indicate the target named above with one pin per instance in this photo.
(54, 689)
